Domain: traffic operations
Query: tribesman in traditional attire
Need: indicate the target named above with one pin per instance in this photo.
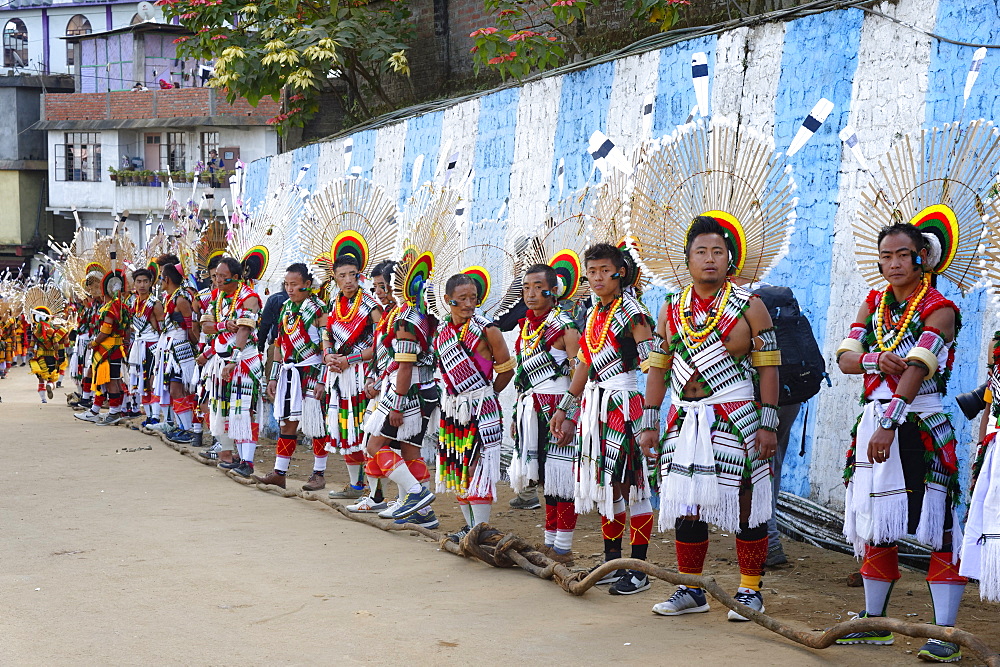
(235, 367)
(603, 406)
(295, 376)
(6, 333)
(43, 303)
(20, 339)
(546, 352)
(146, 318)
(80, 368)
(175, 361)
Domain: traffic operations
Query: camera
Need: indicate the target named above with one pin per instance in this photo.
(971, 403)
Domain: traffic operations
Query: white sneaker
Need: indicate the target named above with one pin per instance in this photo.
(752, 599)
(162, 427)
(683, 601)
(367, 504)
(390, 508)
(88, 416)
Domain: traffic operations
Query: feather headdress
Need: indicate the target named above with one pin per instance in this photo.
(43, 302)
(942, 181)
(717, 170)
(258, 238)
(489, 265)
(347, 216)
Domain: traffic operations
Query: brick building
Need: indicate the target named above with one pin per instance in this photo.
(114, 144)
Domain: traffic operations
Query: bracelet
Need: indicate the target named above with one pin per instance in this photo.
(650, 418)
(765, 358)
(396, 401)
(768, 417)
(896, 409)
(275, 369)
(568, 402)
(504, 366)
(869, 362)
(354, 358)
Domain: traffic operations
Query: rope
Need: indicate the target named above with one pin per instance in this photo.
(506, 550)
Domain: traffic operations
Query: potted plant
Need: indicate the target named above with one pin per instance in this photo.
(145, 177)
(113, 173)
(178, 176)
(125, 176)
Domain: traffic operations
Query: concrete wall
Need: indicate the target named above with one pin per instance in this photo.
(20, 192)
(884, 78)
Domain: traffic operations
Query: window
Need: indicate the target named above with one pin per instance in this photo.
(15, 44)
(79, 159)
(209, 143)
(176, 150)
(78, 25)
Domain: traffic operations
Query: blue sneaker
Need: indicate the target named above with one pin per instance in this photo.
(413, 502)
(877, 637)
(428, 520)
(181, 437)
(149, 421)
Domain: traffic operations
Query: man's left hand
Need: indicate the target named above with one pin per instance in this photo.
(227, 372)
(767, 443)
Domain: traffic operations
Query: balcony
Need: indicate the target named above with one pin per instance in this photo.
(128, 178)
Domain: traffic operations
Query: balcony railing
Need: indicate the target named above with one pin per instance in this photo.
(159, 179)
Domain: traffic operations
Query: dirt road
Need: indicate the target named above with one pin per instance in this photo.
(111, 556)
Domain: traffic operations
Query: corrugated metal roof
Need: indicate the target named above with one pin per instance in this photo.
(149, 123)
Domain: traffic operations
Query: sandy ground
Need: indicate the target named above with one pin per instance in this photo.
(112, 556)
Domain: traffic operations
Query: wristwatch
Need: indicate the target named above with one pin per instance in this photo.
(887, 424)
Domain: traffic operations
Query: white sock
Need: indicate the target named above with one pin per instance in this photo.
(466, 509)
(373, 483)
(405, 479)
(247, 451)
(319, 463)
(564, 540)
(184, 419)
(877, 596)
(619, 506)
(946, 598)
(354, 474)
(480, 513)
(550, 538)
(43, 395)
(281, 463)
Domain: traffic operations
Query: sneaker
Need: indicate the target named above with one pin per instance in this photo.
(428, 520)
(110, 419)
(212, 452)
(48, 390)
(752, 599)
(229, 465)
(244, 469)
(88, 416)
(413, 502)
(609, 578)
(44, 400)
(348, 493)
(936, 650)
(389, 509)
(519, 503)
(630, 583)
(149, 422)
(457, 536)
(367, 504)
(181, 437)
(59, 384)
(878, 637)
(84, 404)
(684, 601)
(776, 556)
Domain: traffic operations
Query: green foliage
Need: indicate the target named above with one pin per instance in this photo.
(535, 36)
(262, 48)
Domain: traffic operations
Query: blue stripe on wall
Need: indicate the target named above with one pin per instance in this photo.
(807, 267)
(675, 91)
(494, 156)
(583, 108)
(363, 153)
(255, 181)
(423, 137)
(301, 157)
(977, 23)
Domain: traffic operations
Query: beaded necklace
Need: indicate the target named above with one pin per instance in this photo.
(351, 312)
(532, 339)
(290, 322)
(595, 345)
(698, 336)
(897, 329)
(389, 320)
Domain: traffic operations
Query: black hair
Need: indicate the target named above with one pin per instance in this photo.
(213, 263)
(906, 229)
(345, 259)
(142, 273)
(168, 268)
(702, 225)
(234, 266)
(551, 277)
(384, 270)
(457, 281)
(301, 269)
(607, 251)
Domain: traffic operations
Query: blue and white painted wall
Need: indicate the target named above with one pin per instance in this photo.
(885, 79)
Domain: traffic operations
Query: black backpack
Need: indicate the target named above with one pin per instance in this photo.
(803, 368)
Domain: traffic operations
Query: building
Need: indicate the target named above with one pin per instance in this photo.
(114, 145)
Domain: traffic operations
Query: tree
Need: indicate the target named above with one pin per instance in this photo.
(300, 46)
(535, 35)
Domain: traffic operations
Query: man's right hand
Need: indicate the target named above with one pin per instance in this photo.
(892, 364)
(272, 386)
(649, 441)
(395, 418)
(201, 360)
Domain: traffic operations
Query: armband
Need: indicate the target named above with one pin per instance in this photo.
(568, 402)
(503, 367)
(405, 347)
(325, 335)
(768, 341)
(579, 357)
(896, 409)
(869, 362)
(988, 395)
(405, 358)
(106, 328)
(354, 358)
(925, 352)
(853, 341)
(768, 417)
(396, 401)
(650, 418)
(273, 374)
(247, 322)
(657, 359)
(768, 358)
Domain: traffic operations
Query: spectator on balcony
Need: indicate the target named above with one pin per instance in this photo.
(214, 165)
(165, 85)
(139, 88)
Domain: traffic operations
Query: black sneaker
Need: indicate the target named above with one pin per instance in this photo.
(230, 465)
(610, 577)
(877, 637)
(630, 583)
(457, 536)
(244, 469)
(936, 650)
